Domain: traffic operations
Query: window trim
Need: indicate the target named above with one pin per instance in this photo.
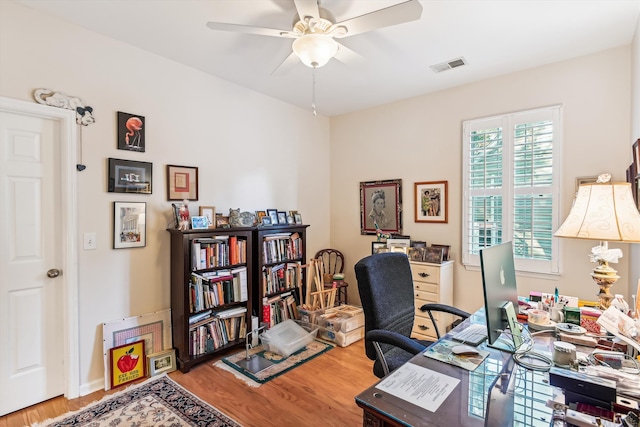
(508, 122)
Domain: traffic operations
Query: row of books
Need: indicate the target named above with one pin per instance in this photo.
(281, 277)
(218, 251)
(212, 289)
(279, 308)
(281, 247)
(217, 331)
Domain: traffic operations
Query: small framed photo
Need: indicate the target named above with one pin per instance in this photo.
(273, 214)
(129, 225)
(161, 362)
(127, 363)
(445, 251)
(199, 222)
(266, 220)
(210, 213)
(131, 132)
(431, 201)
(128, 176)
(259, 216)
(433, 255)
(378, 247)
(222, 221)
(182, 182)
(298, 218)
(416, 253)
(291, 220)
(282, 218)
(381, 206)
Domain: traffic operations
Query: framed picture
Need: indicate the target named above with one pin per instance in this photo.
(222, 221)
(291, 220)
(273, 214)
(393, 241)
(199, 222)
(636, 157)
(378, 247)
(128, 176)
(127, 363)
(282, 218)
(131, 132)
(431, 201)
(129, 225)
(182, 182)
(445, 251)
(297, 218)
(266, 220)
(159, 363)
(416, 253)
(259, 216)
(433, 255)
(381, 206)
(210, 213)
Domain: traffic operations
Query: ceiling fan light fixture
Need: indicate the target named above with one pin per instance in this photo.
(315, 50)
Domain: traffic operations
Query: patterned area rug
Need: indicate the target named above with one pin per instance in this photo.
(159, 401)
(280, 366)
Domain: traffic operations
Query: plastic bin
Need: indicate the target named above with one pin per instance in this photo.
(287, 337)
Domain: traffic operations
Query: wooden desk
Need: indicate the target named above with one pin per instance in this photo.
(509, 394)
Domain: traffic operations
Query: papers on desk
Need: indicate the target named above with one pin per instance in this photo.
(418, 385)
(442, 351)
(620, 325)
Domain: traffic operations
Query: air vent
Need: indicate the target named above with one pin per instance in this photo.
(444, 66)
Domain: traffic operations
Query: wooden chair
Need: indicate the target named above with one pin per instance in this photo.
(332, 262)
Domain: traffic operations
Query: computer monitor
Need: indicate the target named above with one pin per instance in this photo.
(499, 287)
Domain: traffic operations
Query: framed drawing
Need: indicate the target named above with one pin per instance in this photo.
(182, 182)
(381, 206)
(431, 201)
(129, 225)
(131, 132)
(127, 363)
(127, 176)
(199, 222)
(159, 363)
(210, 213)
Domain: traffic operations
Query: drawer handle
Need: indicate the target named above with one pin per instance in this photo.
(424, 327)
(424, 274)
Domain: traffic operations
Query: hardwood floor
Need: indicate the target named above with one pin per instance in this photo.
(319, 392)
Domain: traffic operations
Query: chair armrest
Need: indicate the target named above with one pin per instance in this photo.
(445, 308)
(393, 338)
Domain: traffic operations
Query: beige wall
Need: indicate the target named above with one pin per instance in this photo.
(252, 151)
(419, 139)
(634, 267)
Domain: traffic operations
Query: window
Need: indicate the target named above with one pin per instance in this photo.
(511, 187)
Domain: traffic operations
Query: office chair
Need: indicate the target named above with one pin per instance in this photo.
(332, 263)
(385, 286)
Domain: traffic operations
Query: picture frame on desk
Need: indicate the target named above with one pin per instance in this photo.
(182, 182)
(431, 201)
(129, 225)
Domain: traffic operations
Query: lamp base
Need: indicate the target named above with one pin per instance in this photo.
(605, 277)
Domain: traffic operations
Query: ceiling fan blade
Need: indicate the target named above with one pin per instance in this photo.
(247, 29)
(288, 63)
(307, 8)
(347, 56)
(392, 15)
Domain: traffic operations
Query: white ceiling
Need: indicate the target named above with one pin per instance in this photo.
(494, 36)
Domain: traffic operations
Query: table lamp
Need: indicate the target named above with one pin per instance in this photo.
(603, 211)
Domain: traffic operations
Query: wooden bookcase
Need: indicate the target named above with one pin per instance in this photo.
(190, 342)
(275, 251)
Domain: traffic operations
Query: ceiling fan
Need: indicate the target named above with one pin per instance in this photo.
(315, 28)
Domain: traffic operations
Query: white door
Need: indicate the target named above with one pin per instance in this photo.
(33, 334)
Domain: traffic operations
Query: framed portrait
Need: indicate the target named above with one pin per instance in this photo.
(260, 215)
(127, 363)
(128, 176)
(282, 217)
(445, 251)
(129, 225)
(378, 247)
(297, 218)
(291, 220)
(182, 182)
(273, 214)
(431, 201)
(266, 220)
(210, 213)
(222, 221)
(381, 206)
(159, 363)
(416, 253)
(199, 222)
(131, 132)
(433, 255)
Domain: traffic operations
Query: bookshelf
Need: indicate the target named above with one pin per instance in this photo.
(280, 253)
(211, 291)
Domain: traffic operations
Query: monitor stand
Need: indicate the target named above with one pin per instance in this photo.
(515, 342)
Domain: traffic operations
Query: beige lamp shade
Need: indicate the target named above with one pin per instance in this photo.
(603, 212)
(315, 50)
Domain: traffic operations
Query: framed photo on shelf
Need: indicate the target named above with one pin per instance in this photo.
(445, 251)
(182, 182)
(129, 225)
(128, 176)
(222, 221)
(131, 132)
(127, 363)
(159, 363)
(273, 214)
(381, 205)
(297, 218)
(210, 213)
(282, 217)
(199, 222)
(291, 220)
(259, 216)
(431, 201)
(266, 220)
(378, 247)
(433, 255)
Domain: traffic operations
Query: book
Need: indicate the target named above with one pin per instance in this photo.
(441, 351)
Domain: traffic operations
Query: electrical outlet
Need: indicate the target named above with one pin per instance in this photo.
(90, 241)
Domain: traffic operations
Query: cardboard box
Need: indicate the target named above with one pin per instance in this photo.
(342, 339)
(310, 316)
(336, 320)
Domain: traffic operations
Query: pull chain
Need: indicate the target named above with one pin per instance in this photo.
(313, 93)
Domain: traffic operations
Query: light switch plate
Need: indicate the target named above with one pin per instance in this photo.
(90, 241)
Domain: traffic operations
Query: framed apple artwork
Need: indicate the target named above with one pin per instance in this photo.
(127, 363)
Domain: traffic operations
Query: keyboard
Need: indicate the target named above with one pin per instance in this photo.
(473, 335)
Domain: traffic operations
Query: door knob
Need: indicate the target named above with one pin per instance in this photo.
(53, 273)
